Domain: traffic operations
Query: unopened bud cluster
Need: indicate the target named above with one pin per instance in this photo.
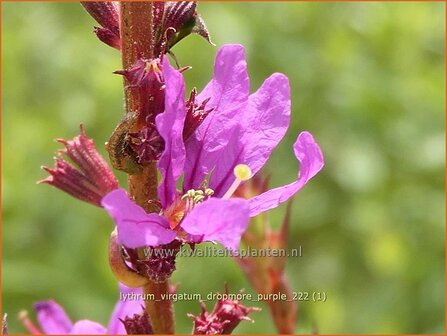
(225, 317)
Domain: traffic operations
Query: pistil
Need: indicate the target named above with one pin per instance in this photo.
(242, 172)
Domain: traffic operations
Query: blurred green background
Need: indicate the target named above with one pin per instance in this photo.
(367, 80)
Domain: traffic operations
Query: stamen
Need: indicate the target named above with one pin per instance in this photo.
(28, 324)
(193, 197)
(209, 192)
(242, 173)
(190, 193)
(188, 204)
(198, 198)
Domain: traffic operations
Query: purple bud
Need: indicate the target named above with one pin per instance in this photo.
(146, 77)
(156, 263)
(205, 324)
(182, 18)
(138, 324)
(225, 317)
(109, 38)
(147, 144)
(233, 312)
(107, 15)
(89, 179)
(172, 21)
(179, 13)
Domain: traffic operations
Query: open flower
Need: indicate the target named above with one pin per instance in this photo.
(53, 320)
(231, 145)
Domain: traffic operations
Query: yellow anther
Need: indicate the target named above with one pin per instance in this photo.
(242, 172)
(198, 198)
(179, 216)
(191, 193)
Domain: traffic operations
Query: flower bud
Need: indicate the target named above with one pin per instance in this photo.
(225, 317)
(138, 324)
(205, 324)
(89, 179)
(146, 77)
(172, 21)
(108, 37)
(155, 263)
(106, 13)
(179, 20)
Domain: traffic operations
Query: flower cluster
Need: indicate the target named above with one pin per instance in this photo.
(206, 147)
(230, 146)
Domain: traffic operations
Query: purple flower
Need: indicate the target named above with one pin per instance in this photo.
(53, 319)
(231, 145)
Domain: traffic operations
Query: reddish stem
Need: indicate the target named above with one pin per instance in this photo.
(137, 42)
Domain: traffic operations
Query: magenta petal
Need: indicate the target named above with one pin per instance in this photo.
(136, 228)
(264, 123)
(230, 85)
(221, 220)
(265, 120)
(170, 126)
(228, 92)
(86, 327)
(52, 318)
(311, 161)
(124, 308)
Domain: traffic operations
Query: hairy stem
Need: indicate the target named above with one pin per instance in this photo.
(163, 309)
(137, 42)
